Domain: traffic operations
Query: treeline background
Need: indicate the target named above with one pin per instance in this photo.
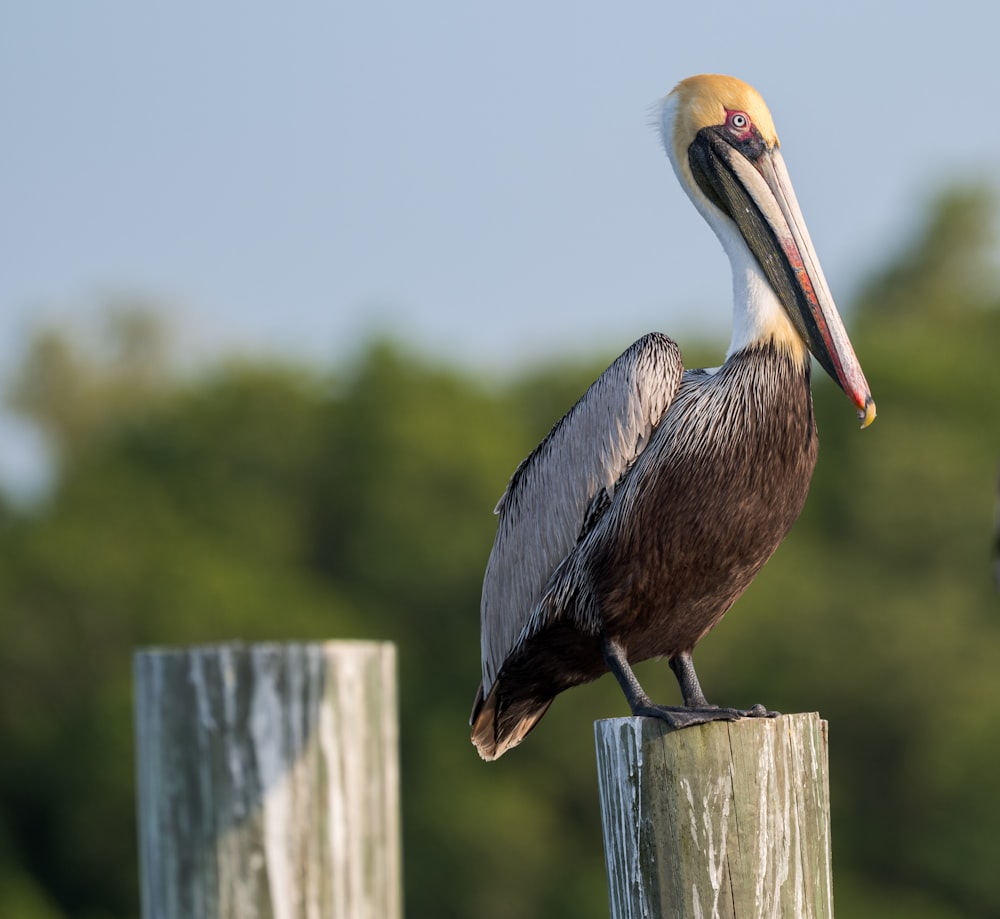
(262, 500)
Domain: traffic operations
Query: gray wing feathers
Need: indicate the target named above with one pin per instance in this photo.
(547, 499)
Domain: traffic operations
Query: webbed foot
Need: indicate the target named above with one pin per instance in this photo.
(696, 709)
(681, 717)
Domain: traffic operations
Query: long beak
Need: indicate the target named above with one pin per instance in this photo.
(754, 190)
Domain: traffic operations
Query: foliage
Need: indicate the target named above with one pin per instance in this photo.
(262, 501)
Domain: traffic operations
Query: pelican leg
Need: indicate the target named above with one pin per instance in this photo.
(644, 707)
(683, 668)
(696, 709)
(687, 679)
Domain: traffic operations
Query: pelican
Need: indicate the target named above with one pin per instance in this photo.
(651, 505)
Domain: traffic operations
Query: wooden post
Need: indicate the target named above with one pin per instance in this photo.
(268, 782)
(729, 819)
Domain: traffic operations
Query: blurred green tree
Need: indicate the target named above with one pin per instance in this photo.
(258, 500)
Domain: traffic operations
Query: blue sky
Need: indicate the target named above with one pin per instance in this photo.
(480, 179)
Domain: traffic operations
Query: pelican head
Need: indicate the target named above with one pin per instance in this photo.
(720, 138)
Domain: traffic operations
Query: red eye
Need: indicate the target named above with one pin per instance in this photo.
(738, 121)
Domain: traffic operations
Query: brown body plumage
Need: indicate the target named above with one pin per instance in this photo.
(723, 479)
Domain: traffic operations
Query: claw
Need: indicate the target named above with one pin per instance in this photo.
(758, 711)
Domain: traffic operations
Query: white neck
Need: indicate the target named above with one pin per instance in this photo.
(758, 315)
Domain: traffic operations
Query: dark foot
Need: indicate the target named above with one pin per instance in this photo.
(696, 710)
(679, 717)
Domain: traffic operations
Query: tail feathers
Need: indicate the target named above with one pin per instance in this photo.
(493, 732)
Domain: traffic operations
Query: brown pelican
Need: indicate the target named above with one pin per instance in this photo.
(648, 509)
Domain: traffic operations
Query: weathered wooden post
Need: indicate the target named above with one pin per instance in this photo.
(268, 782)
(729, 819)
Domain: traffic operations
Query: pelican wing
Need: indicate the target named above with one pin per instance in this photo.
(570, 477)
